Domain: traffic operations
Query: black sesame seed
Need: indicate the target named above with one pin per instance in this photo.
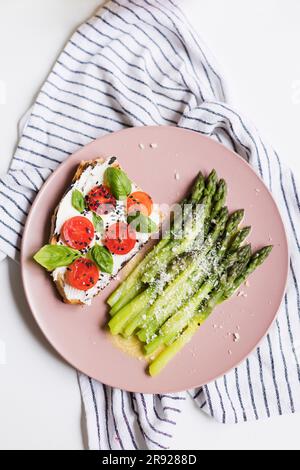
(112, 160)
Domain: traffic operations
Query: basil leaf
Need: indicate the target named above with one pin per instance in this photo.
(142, 223)
(103, 258)
(78, 201)
(118, 182)
(56, 256)
(98, 223)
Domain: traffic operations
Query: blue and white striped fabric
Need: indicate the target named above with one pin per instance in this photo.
(136, 63)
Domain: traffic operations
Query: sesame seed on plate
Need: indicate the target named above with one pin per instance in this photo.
(236, 337)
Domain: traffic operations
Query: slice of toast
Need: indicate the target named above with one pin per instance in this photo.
(88, 175)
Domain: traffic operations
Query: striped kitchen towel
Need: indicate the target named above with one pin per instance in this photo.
(137, 63)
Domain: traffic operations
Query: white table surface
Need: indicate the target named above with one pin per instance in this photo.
(257, 43)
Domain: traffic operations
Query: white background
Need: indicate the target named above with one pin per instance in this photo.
(257, 43)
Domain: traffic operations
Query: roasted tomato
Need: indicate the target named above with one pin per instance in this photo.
(78, 232)
(83, 274)
(100, 200)
(120, 238)
(139, 202)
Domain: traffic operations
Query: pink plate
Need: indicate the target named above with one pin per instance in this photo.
(77, 333)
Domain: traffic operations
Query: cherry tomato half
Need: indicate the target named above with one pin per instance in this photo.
(83, 274)
(100, 200)
(139, 202)
(120, 238)
(78, 232)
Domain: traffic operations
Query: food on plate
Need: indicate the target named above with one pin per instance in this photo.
(102, 221)
(198, 264)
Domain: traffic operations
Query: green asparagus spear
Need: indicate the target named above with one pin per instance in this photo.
(239, 238)
(186, 285)
(219, 198)
(181, 318)
(129, 288)
(211, 183)
(145, 314)
(231, 227)
(219, 296)
(159, 250)
(193, 229)
(125, 316)
(216, 297)
(118, 321)
(134, 288)
(209, 192)
(235, 240)
(132, 285)
(162, 360)
(182, 286)
(257, 259)
(198, 189)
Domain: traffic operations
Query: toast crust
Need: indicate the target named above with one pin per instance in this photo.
(54, 238)
(60, 285)
(59, 282)
(81, 168)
